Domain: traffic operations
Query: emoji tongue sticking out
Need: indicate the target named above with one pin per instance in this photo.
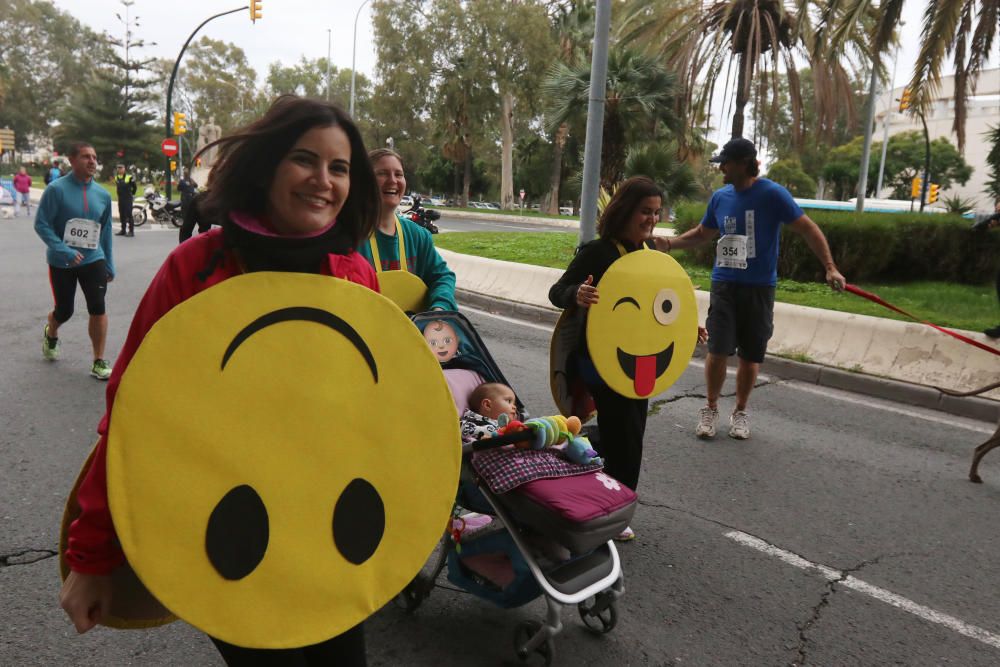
(645, 374)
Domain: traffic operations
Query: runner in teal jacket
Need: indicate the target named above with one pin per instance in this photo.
(422, 258)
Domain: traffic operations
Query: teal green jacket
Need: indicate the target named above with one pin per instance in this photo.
(67, 198)
(422, 259)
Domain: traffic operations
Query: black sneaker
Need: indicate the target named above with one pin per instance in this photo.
(121, 233)
(130, 234)
(994, 332)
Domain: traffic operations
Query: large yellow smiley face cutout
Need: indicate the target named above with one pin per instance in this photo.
(266, 477)
(643, 330)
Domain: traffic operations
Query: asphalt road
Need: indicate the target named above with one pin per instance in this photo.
(459, 224)
(843, 533)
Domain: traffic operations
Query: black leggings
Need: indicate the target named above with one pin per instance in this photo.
(93, 279)
(621, 423)
(346, 650)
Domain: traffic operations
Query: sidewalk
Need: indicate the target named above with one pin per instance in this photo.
(872, 355)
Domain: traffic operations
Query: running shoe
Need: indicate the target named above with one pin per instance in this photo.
(50, 345)
(707, 418)
(993, 332)
(626, 535)
(739, 425)
(101, 369)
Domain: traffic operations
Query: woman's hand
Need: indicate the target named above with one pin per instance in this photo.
(702, 334)
(86, 598)
(586, 293)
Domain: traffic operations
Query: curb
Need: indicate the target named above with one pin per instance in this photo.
(786, 369)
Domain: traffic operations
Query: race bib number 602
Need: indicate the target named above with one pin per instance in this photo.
(82, 233)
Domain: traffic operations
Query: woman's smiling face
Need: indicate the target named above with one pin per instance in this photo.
(311, 182)
(391, 181)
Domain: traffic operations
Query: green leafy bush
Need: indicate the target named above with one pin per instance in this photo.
(878, 247)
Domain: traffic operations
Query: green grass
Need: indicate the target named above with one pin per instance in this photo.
(971, 307)
(527, 213)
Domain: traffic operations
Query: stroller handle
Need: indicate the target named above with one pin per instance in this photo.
(502, 440)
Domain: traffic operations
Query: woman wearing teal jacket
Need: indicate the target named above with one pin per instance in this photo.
(421, 258)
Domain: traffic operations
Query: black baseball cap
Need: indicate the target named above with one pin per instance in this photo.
(736, 149)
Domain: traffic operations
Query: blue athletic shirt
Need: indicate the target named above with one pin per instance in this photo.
(767, 206)
(67, 198)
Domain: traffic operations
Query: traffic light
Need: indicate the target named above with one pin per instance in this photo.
(255, 10)
(932, 193)
(180, 124)
(904, 101)
(915, 186)
(173, 165)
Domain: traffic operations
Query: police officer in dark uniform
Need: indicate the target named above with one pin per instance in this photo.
(125, 186)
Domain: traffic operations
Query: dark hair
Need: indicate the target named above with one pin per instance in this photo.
(76, 147)
(623, 204)
(248, 159)
(482, 392)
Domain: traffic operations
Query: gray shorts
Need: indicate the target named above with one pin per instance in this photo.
(740, 319)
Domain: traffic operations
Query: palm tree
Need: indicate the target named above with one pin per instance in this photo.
(639, 96)
(764, 37)
(659, 161)
(965, 28)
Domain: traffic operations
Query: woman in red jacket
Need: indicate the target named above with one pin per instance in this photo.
(293, 191)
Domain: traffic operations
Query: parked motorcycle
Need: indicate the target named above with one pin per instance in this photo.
(424, 217)
(162, 210)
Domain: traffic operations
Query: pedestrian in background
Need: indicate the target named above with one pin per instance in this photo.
(74, 221)
(125, 187)
(749, 212)
(22, 186)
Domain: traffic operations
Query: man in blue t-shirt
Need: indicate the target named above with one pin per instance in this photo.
(748, 213)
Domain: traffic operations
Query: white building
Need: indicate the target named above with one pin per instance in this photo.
(983, 112)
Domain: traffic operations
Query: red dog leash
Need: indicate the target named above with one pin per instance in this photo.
(854, 289)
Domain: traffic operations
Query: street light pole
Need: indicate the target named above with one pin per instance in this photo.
(354, 56)
(328, 37)
(173, 76)
(595, 122)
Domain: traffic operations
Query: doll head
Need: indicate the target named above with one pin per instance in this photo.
(443, 340)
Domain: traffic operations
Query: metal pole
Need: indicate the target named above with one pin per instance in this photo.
(329, 32)
(595, 123)
(885, 135)
(927, 164)
(173, 75)
(354, 56)
(865, 153)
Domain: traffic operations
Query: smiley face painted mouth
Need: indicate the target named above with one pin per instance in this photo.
(643, 370)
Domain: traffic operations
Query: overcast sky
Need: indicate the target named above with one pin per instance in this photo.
(288, 30)
(293, 28)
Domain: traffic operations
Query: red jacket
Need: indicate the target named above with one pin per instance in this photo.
(22, 182)
(93, 545)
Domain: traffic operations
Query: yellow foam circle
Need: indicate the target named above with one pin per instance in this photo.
(642, 331)
(405, 289)
(270, 382)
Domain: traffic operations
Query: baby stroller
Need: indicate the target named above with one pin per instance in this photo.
(548, 537)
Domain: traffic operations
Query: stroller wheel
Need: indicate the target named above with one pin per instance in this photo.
(523, 634)
(601, 616)
(410, 597)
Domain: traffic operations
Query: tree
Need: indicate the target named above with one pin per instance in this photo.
(904, 160)
(41, 64)
(220, 82)
(639, 96)
(658, 161)
(962, 29)
(790, 174)
(519, 47)
(993, 161)
(701, 42)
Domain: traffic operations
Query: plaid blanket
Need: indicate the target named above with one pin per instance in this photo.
(506, 469)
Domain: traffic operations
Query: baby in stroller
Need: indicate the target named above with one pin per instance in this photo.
(487, 403)
(534, 499)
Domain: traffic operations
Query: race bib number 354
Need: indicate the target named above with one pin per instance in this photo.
(82, 233)
(731, 251)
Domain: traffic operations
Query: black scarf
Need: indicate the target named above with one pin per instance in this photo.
(260, 252)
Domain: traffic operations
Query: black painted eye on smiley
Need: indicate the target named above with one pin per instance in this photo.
(276, 509)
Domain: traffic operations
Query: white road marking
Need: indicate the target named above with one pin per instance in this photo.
(881, 594)
(872, 402)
